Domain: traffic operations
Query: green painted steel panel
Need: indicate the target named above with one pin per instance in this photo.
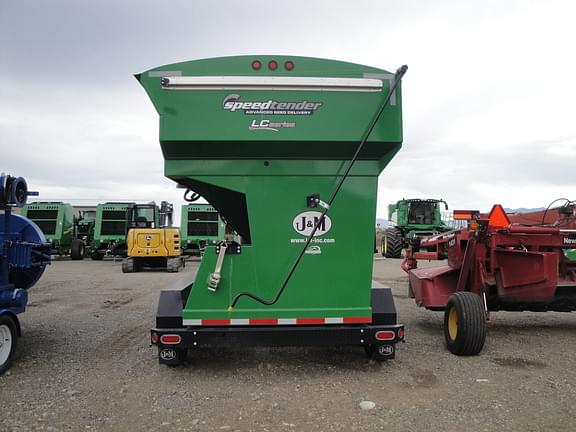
(258, 179)
(330, 131)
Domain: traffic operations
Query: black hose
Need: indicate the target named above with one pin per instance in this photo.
(191, 196)
(397, 78)
(550, 205)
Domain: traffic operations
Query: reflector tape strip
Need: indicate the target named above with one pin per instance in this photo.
(357, 320)
(216, 322)
(264, 321)
(276, 321)
(271, 83)
(310, 321)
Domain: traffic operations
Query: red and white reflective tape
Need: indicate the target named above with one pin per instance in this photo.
(276, 321)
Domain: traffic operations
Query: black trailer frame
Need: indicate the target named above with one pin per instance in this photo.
(174, 340)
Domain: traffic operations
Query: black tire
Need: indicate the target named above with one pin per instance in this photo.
(97, 256)
(128, 265)
(170, 267)
(465, 324)
(174, 265)
(77, 249)
(8, 338)
(392, 243)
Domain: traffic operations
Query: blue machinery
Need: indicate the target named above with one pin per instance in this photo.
(24, 253)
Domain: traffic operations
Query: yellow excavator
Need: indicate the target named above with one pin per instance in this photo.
(151, 240)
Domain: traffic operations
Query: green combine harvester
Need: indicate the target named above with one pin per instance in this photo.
(410, 220)
(201, 225)
(288, 150)
(57, 222)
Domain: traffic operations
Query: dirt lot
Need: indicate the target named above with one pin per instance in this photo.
(84, 364)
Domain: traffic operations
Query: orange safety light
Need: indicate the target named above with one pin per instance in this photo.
(465, 214)
(497, 217)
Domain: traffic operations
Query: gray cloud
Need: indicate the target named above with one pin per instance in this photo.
(487, 100)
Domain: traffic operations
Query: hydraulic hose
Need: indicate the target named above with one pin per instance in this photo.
(191, 196)
(397, 79)
(568, 202)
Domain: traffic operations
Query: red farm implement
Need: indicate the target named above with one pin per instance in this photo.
(493, 265)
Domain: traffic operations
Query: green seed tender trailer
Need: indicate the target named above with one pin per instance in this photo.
(288, 150)
(200, 225)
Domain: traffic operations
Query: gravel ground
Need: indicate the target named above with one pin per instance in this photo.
(84, 364)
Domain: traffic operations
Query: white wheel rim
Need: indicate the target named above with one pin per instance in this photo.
(5, 343)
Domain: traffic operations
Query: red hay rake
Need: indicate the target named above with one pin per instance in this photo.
(493, 265)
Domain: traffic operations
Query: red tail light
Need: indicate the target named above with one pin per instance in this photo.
(385, 335)
(401, 333)
(154, 338)
(289, 65)
(170, 339)
(256, 65)
(272, 65)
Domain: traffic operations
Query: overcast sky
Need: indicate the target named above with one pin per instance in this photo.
(489, 97)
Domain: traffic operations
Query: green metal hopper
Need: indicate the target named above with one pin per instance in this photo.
(264, 139)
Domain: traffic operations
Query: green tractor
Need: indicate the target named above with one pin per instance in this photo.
(57, 222)
(84, 223)
(410, 219)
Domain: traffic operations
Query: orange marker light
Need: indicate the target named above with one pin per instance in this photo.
(465, 214)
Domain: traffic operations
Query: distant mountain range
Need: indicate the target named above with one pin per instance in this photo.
(523, 210)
